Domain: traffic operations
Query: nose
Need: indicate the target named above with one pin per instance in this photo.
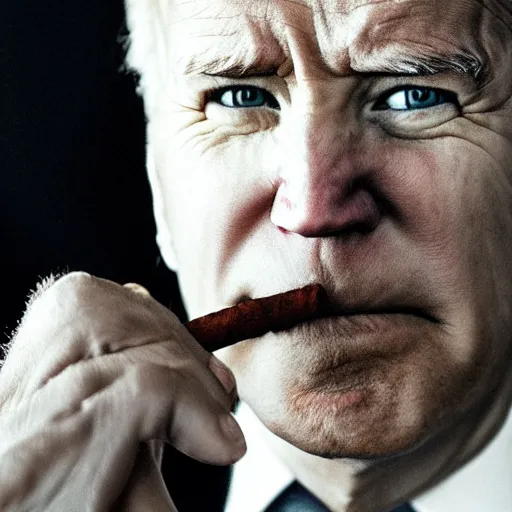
(323, 187)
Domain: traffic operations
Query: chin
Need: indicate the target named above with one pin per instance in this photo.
(365, 409)
(362, 434)
(361, 387)
(366, 422)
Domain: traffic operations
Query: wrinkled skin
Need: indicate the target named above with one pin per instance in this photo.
(327, 177)
(97, 378)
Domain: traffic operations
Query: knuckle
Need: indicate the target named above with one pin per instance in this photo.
(72, 285)
(74, 386)
(75, 278)
(48, 313)
(59, 292)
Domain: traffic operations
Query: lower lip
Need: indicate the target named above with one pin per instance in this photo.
(348, 345)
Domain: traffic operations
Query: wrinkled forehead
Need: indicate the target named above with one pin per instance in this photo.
(347, 33)
(227, 8)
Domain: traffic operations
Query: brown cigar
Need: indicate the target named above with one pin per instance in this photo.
(256, 317)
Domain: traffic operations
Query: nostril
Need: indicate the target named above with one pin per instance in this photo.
(357, 213)
(359, 228)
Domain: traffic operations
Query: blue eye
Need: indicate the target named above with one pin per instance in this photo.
(244, 97)
(415, 98)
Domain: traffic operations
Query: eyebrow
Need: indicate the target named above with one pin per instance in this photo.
(234, 69)
(230, 67)
(422, 64)
(409, 63)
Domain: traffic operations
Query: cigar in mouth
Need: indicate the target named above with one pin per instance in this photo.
(256, 317)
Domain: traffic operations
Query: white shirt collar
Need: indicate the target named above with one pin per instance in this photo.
(483, 484)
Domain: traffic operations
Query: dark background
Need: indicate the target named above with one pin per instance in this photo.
(73, 189)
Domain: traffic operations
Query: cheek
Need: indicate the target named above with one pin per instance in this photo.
(458, 218)
(212, 177)
(489, 252)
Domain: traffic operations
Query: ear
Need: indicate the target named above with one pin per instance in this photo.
(163, 235)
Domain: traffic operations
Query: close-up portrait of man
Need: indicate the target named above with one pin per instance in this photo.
(364, 146)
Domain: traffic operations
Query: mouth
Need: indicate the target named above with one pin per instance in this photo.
(363, 329)
(301, 307)
(385, 310)
(331, 305)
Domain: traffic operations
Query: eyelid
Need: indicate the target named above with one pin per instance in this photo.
(451, 96)
(215, 93)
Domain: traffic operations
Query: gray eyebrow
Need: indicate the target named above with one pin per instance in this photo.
(414, 65)
(228, 67)
(404, 61)
(461, 63)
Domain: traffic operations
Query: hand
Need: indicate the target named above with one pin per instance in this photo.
(94, 372)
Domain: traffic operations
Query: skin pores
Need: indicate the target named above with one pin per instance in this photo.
(301, 142)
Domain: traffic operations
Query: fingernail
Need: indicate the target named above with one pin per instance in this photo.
(223, 374)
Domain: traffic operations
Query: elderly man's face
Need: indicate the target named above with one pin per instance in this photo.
(308, 141)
